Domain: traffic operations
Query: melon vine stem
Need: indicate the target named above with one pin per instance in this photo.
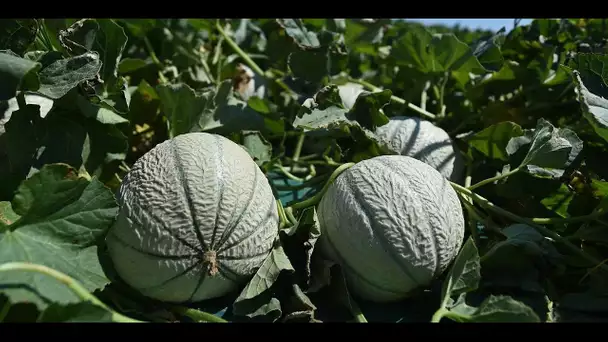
(394, 98)
(439, 314)
(317, 197)
(493, 179)
(197, 315)
(72, 284)
(253, 65)
(155, 59)
(298, 150)
(536, 222)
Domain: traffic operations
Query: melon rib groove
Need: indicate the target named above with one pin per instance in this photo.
(228, 258)
(151, 254)
(231, 228)
(175, 236)
(265, 219)
(201, 279)
(186, 193)
(224, 270)
(219, 177)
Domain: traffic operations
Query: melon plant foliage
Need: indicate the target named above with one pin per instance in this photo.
(526, 110)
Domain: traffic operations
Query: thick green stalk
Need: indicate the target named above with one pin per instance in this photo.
(72, 284)
(289, 174)
(253, 65)
(535, 222)
(282, 217)
(155, 59)
(394, 98)
(197, 315)
(439, 314)
(493, 179)
(472, 217)
(317, 197)
(298, 150)
(290, 217)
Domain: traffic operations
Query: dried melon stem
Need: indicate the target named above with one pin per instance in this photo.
(210, 258)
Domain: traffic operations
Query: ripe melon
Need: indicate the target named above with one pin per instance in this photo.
(197, 219)
(393, 223)
(422, 140)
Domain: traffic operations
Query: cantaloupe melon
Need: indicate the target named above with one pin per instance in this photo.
(393, 223)
(197, 219)
(422, 140)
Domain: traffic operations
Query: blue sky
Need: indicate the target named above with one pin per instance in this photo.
(489, 24)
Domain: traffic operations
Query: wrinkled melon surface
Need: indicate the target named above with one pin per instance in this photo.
(422, 140)
(393, 223)
(197, 218)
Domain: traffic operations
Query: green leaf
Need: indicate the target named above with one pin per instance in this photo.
(296, 29)
(488, 52)
(267, 274)
(310, 65)
(550, 148)
(593, 102)
(559, 201)
(363, 36)
(465, 273)
(201, 24)
(62, 218)
(216, 110)
(313, 64)
(304, 233)
(116, 98)
(520, 260)
(504, 309)
(435, 53)
(183, 107)
(144, 105)
(140, 27)
(17, 74)
(326, 111)
(18, 148)
(368, 109)
(74, 313)
(258, 147)
(17, 34)
(311, 118)
(110, 43)
(128, 65)
(99, 113)
(263, 106)
(255, 299)
(492, 141)
(7, 215)
(63, 75)
(106, 38)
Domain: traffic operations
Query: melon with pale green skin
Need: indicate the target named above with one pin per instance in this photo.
(422, 140)
(393, 224)
(413, 137)
(197, 219)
